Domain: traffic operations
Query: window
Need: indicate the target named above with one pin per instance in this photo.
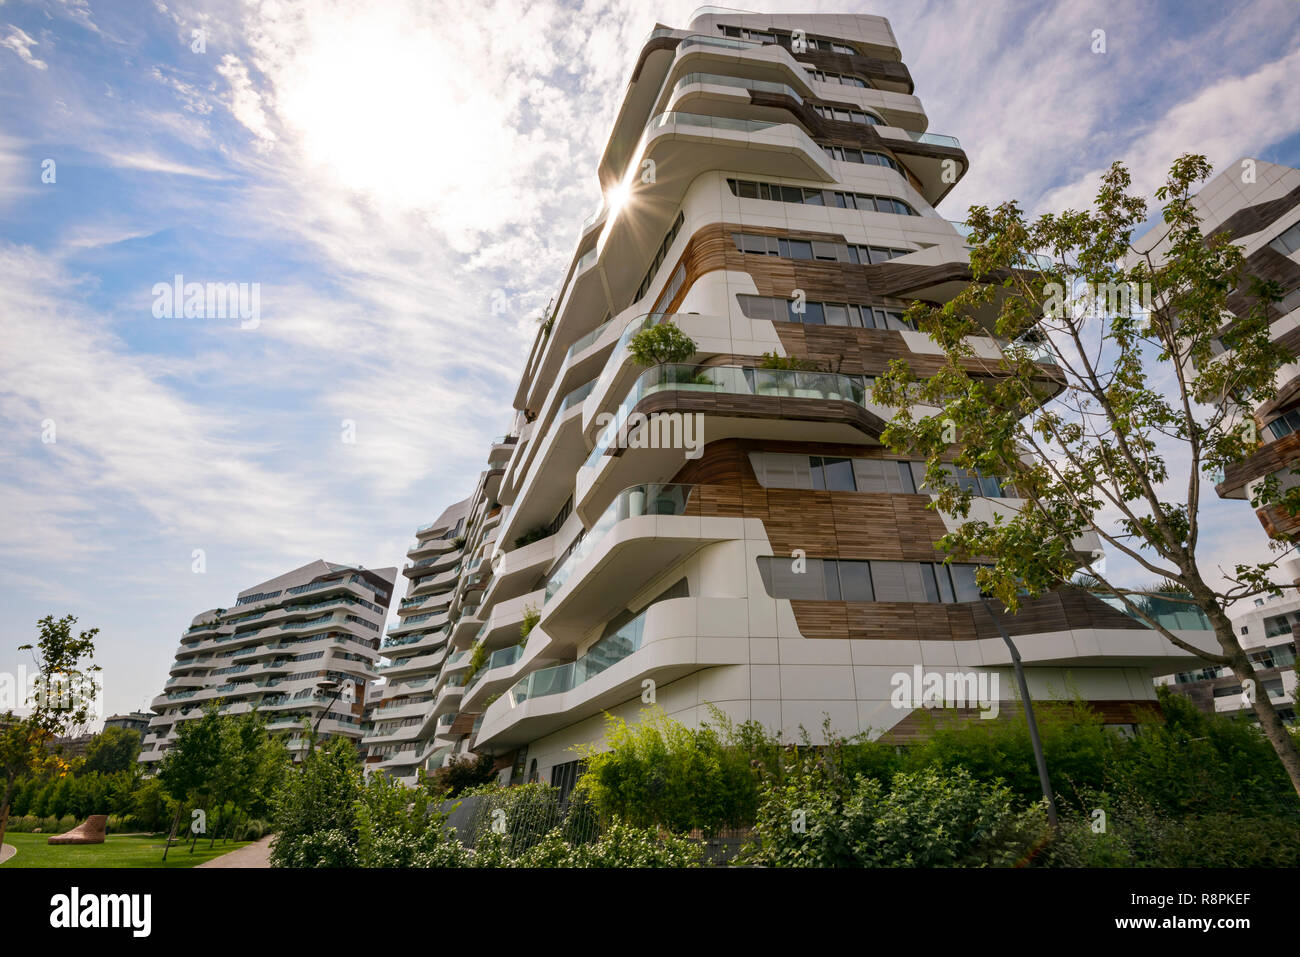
(659, 257)
(1288, 242)
(1285, 424)
(864, 157)
(849, 116)
(1276, 626)
(833, 474)
(777, 193)
(843, 79)
(838, 579)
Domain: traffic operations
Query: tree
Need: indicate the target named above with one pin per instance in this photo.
(64, 694)
(113, 749)
(1093, 436)
(188, 769)
(661, 343)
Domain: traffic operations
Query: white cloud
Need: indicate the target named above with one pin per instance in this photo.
(22, 44)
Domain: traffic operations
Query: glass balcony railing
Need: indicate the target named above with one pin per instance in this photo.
(717, 79)
(577, 395)
(727, 43)
(615, 359)
(629, 503)
(557, 679)
(730, 380)
(704, 121)
(934, 139)
(584, 341)
(1167, 610)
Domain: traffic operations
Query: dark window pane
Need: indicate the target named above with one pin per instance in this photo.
(818, 476)
(963, 580)
(855, 581)
(747, 190)
(814, 315)
(836, 315)
(839, 475)
(853, 255)
(945, 583)
(830, 573)
(813, 197)
(840, 201)
(905, 477)
(928, 584)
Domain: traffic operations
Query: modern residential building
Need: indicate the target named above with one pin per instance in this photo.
(135, 721)
(1257, 204)
(298, 647)
(1267, 632)
(728, 531)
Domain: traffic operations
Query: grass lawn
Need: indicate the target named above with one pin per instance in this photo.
(120, 850)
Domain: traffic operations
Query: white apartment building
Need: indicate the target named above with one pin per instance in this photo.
(300, 647)
(771, 186)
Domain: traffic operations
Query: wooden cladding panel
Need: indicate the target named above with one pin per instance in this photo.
(1268, 458)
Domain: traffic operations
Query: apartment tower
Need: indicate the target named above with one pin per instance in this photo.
(728, 530)
(298, 647)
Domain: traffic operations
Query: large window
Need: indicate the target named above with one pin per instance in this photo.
(839, 579)
(659, 257)
(1288, 242)
(846, 154)
(777, 193)
(813, 249)
(777, 309)
(848, 116)
(1285, 424)
(843, 79)
(791, 470)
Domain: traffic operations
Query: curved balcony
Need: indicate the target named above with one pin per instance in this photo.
(645, 529)
(668, 640)
(739, 401)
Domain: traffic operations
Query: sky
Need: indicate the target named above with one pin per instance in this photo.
(402, 184)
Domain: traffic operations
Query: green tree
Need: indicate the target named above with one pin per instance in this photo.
(188, 769)
(1092, 434)
(64, 695)
(661, 343)
(314, 810)
(113, 749)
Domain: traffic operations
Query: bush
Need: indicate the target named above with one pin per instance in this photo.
(926, 819)
(333, 847)
(662, 773)
(319, 799)
(1136, 834)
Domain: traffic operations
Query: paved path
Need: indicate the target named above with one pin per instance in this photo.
(7, 851)
(254, 855)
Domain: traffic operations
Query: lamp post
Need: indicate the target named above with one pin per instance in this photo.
(1037, 743)
(323, 686)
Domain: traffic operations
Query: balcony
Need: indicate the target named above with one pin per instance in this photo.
(646, 529)
(739, 401)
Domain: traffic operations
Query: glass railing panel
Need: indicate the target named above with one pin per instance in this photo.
(704, 121)
(654, 499)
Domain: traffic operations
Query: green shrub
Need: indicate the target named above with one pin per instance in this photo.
(333, 847)
(659, 344)
(925, 819)
(316, 800)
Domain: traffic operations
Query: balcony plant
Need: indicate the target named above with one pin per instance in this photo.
(660, 344)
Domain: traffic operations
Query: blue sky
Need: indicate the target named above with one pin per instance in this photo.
(385, 171)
